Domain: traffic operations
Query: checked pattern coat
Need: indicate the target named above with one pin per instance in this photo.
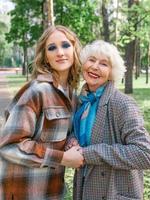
(30, 166)
(118, 153)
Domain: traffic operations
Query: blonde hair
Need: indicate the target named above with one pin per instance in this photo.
(100, 47)
(39, 64)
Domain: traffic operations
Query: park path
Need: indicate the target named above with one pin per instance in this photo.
(5, 95)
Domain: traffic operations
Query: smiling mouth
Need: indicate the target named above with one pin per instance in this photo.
(93, 75)
(61, 60)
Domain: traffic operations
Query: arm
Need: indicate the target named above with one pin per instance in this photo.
(17, 141)
(133, 152)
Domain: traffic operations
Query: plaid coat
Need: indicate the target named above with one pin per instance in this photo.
(30, 165)
(119, 151)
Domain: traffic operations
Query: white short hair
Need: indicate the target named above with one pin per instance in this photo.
(100, 47)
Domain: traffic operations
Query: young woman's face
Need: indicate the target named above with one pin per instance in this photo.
(59, 52)
(96, 71)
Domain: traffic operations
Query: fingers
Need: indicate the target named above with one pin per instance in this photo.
(80, 150)
(73, 158)
(71, 143)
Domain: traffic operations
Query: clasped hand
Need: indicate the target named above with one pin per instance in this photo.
(73, 156)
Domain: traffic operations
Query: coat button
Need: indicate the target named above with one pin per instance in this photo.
(103, 198)
(57, 114)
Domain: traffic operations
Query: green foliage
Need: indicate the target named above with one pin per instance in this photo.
(3, 27)
(79, 15)
(5, 55)
(146, 185)
(69, 183)
(137, 21)
(25, 24)
(2, 51)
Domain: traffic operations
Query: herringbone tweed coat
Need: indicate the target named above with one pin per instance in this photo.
(119, 151)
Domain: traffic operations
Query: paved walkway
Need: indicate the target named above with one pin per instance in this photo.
(5, 95)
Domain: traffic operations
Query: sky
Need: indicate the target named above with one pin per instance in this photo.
(6, 6)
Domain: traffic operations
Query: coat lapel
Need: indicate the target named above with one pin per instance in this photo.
(98, 128)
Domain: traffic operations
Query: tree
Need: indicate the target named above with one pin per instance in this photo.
(3, 28)
(79, 15)
(25, 25)
(105, 19)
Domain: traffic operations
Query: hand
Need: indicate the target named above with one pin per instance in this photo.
(80, 150)
(72, 158)
(72, 142)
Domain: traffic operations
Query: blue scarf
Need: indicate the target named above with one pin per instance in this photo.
(85, 116)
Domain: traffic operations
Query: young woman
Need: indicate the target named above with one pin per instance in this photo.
(110, 131)
(33, 139)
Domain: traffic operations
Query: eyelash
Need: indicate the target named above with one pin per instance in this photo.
(103, 64)
(51, 48)
(92, 60)
(64, 45)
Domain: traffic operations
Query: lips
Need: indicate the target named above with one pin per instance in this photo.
(61, 60)
(93, 75)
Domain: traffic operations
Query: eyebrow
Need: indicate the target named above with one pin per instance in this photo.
(104, 60)
(61, 42)
(51, 44)
(92, 57)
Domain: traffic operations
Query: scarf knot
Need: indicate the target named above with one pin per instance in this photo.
(90, 98)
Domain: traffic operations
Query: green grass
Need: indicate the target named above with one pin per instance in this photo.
(141, 94)
(15, 82)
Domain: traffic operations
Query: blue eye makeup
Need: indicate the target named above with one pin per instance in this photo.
(65, 45)
(52, 48)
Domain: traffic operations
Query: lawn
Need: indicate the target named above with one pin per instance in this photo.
(142, 96)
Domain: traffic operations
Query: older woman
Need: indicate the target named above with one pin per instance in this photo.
(110, 131)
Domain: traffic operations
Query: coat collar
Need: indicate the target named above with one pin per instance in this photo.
(48, 77)
(107, 93)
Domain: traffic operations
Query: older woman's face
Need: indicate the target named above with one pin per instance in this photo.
(96, 71)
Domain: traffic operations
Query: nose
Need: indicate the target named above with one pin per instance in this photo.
(95, 64)
(60, 52)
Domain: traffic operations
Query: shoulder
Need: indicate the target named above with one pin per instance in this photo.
(35, 93)
(118, 99)
(124, 107)
(40, 87)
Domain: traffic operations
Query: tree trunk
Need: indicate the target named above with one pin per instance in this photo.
(129, 58)
(45, 21)
(106, 33)
(25, 58)
(137, 58)
(50, 11)
(116, 24)
(148, 63)
(129, 53)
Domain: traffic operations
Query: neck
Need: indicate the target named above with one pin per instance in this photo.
(63, 79)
